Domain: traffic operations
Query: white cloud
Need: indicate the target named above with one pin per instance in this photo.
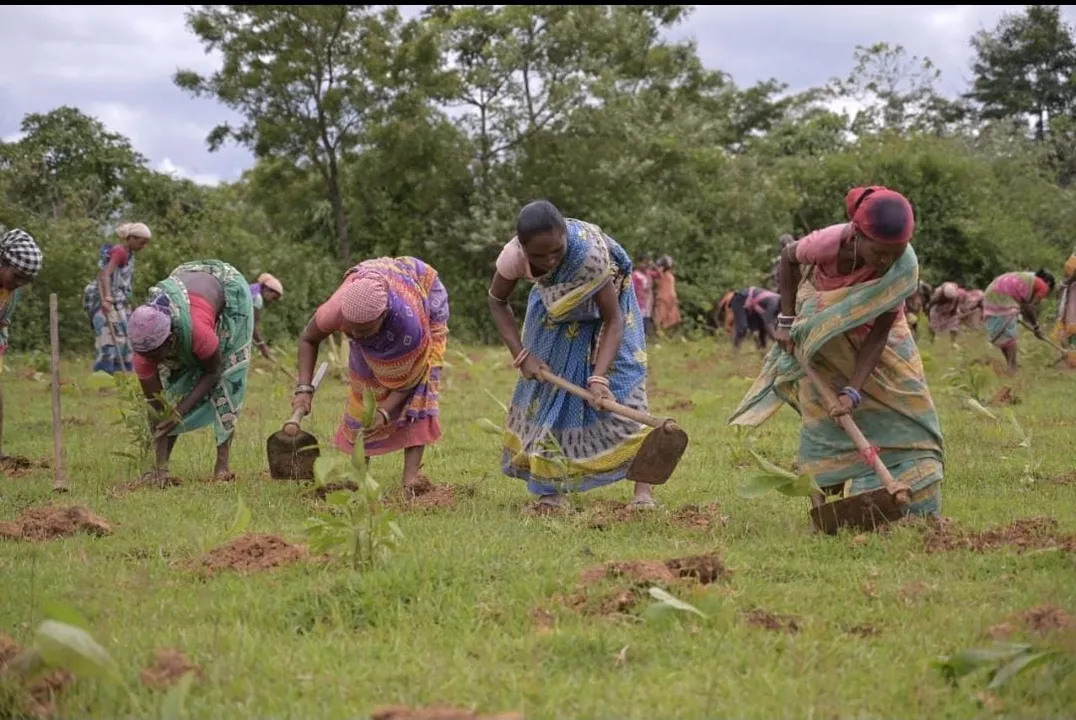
(117, 62)
(167, 167)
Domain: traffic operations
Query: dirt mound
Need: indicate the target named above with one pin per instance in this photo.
(399, 712)
(17, 465)
(168, 668)
(38, 697)
(425, 495)
(323, 491)
(250, 553)
(1035, 533)
(617, 587)
(48, 521)
(693, 516)
(635, 572)
(1005, 397)
(863, 630)
(766, 620)
(1046, 619)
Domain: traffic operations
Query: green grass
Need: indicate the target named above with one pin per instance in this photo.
(449, 619)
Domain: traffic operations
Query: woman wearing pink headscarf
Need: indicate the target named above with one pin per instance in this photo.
(395, 313)
(846, 319)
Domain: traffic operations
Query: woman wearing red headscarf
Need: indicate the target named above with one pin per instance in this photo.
(843, 290)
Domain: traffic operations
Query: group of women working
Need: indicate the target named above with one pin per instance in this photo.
(840, 307)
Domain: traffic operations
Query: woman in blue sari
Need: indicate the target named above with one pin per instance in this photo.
(583, 323)
(107, 300)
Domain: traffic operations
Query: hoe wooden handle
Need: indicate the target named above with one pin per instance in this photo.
(849, 426)
(606, 405)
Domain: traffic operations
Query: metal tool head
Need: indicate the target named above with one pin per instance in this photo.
(659, 455)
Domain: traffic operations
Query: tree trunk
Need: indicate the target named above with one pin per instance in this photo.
(343, 240)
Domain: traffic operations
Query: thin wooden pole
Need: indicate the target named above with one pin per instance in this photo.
(59, 483)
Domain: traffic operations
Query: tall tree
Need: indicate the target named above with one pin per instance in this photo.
(897, 92)
(68, 163)
(308, 81)
(1026, 66)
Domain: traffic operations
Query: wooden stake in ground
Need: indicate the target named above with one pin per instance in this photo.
(59, 483)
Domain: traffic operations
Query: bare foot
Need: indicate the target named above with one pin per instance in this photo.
(224, 475)
(160, 478)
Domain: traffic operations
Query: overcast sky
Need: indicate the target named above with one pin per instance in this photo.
(116, 62)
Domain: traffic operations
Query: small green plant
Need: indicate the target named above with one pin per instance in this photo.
(1004, 661)
(973, 380)
(770, 477)
(548, 445)
(139, 418)
(357, 525)
(63, 641)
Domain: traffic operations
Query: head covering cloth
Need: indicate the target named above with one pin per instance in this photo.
(21, 252)
(881, 214)
(272, 283)
(150, 325)
(138, 230)
(365, 299)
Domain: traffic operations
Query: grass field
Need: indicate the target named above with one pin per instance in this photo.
(470, 611)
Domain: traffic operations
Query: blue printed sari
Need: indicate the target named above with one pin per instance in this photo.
(556, 441)
(110, 333)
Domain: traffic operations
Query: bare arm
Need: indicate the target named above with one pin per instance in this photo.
(499, 291)
(1030, 313)
(612, 331)
(104, 281)
(871, 351)
(258, 339)
(152, 389)
(309, 343)
(790, 279)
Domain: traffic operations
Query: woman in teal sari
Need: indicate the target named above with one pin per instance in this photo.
(583, 323)
(192, 340)
(847, 320)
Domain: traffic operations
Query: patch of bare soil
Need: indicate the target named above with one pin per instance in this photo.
(609, 512)
(1068, 478)
(36, 698)
(399, 712)
(864, 630)
(616, 587)
(48, 521)
(1000, 632)
(1005, 397)
(323, 491)
(694, 516)
(1046, 619)
(18, 466)
(1034, 533)
(544, 620)
(425, 495)
(168, 668)
(911, 592)
(149, 480)
(251, 553)
(766, 620)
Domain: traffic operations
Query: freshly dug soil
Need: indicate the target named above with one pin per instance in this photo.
(47, 522)
(399, 712)
(1046, 619)
(693, 516)
(766, 620)
(37, 698)
(617, 587)
(168, 668)
(250, 553)
(1035, 533)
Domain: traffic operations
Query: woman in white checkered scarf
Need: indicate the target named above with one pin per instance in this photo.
(20, 262)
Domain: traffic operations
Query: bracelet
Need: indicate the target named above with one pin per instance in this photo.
(599, 379)
(785, 321)
(496, 299)
(383, 413)
(304, 390)
(853, 395)
(523, 355)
